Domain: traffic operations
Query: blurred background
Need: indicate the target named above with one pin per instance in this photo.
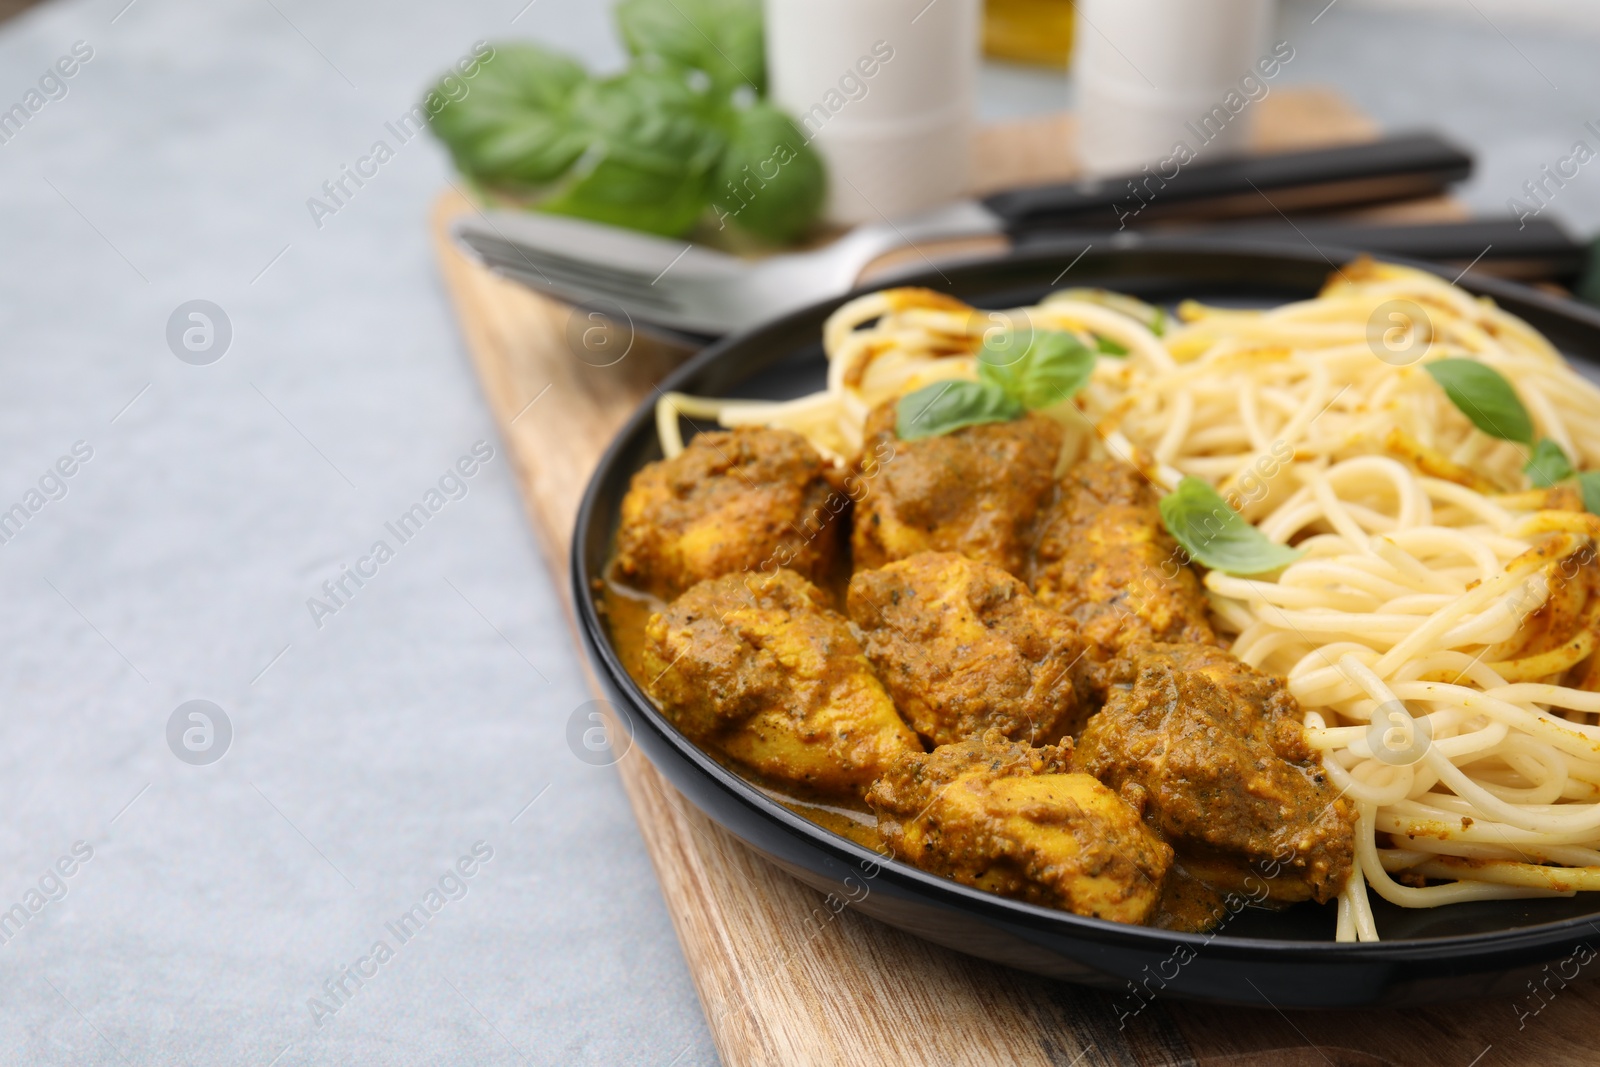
(229, 469)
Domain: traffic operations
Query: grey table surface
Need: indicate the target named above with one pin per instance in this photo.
(376, 746)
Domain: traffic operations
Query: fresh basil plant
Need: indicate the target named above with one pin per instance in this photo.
(683, 131)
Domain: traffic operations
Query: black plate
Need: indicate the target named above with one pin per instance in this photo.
(1459, 951)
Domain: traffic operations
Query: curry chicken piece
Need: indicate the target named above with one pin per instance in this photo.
(963, 647)
(756, 667)
(1214, 753)
(745, 499)
(1105, 558)
(1016, 821)
(976, 491)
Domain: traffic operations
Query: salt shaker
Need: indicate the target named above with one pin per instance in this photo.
(884, 89)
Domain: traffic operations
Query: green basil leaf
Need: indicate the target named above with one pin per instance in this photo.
(723, 38)
(1159, 326)
(1484, 396)
(651, 161)
(535, 150)
(1109, 347)
(1589, 484)
(945, 406)
(509, 123)
(769, 182)
(1213, 533)
(1053, 368)
(655, 118)
(1547, 465)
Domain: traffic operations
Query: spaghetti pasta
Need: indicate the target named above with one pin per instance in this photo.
(1440, 627)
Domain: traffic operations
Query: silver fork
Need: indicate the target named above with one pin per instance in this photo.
(687, 287)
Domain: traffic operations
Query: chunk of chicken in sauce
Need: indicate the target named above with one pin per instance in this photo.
(1105, 558)
(758, 668)
(963, 648)
(1017, 821)
(1214, 754)
(747, 499)
(976, 491)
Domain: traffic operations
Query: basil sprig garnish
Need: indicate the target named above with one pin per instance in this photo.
(1589, 485)
(1214, 534)
(1051, 369)
(1547, 465)
(1483, 395)
(947, 406)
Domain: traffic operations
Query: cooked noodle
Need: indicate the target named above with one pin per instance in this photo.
(1439, 629)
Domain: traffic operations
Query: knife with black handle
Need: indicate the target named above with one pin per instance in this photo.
(1284, 183)
(1528, 250)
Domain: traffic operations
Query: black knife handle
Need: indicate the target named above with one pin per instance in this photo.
(1394, 168)
(1529, 250)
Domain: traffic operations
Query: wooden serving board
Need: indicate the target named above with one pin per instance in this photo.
(779, 990)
